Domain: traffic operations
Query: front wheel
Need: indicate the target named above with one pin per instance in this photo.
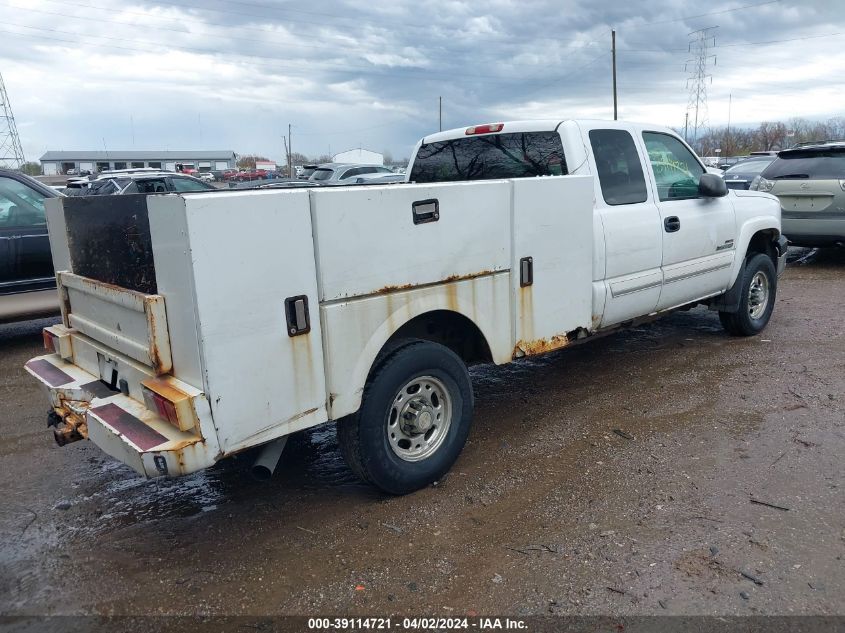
(414, 419)
(757, 298)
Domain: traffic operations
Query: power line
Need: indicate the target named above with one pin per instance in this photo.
(735, 44)
(700, 15)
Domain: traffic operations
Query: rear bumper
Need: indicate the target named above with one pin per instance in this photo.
(813, 231)
(119, 425)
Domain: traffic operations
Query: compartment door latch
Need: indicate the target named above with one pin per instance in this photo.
(526, 271)
(296, 315)
(424, 211)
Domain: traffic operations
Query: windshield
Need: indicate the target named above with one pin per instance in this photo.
(322, 174)
(749, 167)
(519, 155)
(827, 164)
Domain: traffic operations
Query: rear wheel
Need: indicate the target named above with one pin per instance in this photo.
(757, 298)
(414, 419)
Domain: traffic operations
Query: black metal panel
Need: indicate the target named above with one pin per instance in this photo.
(109, 240)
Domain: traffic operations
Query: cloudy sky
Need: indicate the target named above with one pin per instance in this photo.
(232, 74)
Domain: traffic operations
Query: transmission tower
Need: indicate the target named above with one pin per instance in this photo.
(701, 42)
(11, 152)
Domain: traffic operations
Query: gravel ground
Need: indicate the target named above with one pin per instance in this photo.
(668, 469)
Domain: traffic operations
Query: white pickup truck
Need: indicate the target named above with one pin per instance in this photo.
(195, 326)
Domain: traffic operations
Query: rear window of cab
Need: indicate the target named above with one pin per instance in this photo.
(515, 155)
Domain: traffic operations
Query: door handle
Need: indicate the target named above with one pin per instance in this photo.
(423, 211)
(672, 224)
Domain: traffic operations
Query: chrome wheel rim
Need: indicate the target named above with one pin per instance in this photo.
(419, 418)
(758, 295)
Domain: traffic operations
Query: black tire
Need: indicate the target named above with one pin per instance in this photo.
(741, 322)
(363, 436)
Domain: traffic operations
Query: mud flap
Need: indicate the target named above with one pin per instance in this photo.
(729, 302)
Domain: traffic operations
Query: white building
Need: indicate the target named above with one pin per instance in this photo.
(53, 163)
(359, 157)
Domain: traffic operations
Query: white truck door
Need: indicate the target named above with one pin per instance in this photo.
(698, 233)
(630, 224)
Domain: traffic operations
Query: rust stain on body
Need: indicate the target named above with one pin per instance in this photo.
(449, 279)
(539, 346)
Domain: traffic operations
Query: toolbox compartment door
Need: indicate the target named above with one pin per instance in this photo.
(250, 262)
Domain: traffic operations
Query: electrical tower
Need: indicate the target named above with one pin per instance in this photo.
(11, 152)
(701, 42)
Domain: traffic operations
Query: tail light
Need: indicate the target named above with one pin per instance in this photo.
(484, 129)
(761, 184)
(169, 402)
(49, 340)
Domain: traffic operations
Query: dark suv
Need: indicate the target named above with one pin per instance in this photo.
(809, 180)
(27, 281)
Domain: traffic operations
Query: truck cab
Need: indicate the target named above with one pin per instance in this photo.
(660, 239)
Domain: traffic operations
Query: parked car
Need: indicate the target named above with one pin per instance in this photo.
(743, 173)
(809, 181)
(284, 184)
(305, 171)
(138, 182)
(343, 173)
(379, 179)
(251, 174)
(390, 297)
(206, 176)
(27, 282)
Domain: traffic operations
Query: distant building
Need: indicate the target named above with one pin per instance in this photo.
(359, 157)
(55, 163)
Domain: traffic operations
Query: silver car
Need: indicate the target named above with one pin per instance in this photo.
(344, 173)
(809, 180)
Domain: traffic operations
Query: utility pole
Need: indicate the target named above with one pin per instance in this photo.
(290, 153)
(686, 125)
(728, 130)
(613, 48)
(11, 152)
(440, 111)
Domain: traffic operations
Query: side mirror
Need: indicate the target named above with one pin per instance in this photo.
(712, 186)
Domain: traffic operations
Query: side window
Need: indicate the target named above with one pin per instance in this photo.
(188, 184)
(676, 170)
(20, 206)
(352, 172)
(620, 171)
(151, 185)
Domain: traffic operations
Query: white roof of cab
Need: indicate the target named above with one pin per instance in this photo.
(545, 125)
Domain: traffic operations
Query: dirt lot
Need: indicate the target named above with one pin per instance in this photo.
(617, 477)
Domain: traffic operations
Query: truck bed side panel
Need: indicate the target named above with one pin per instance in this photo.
(368, 242)
(553, 226)
(261, 382)
(357, 329)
